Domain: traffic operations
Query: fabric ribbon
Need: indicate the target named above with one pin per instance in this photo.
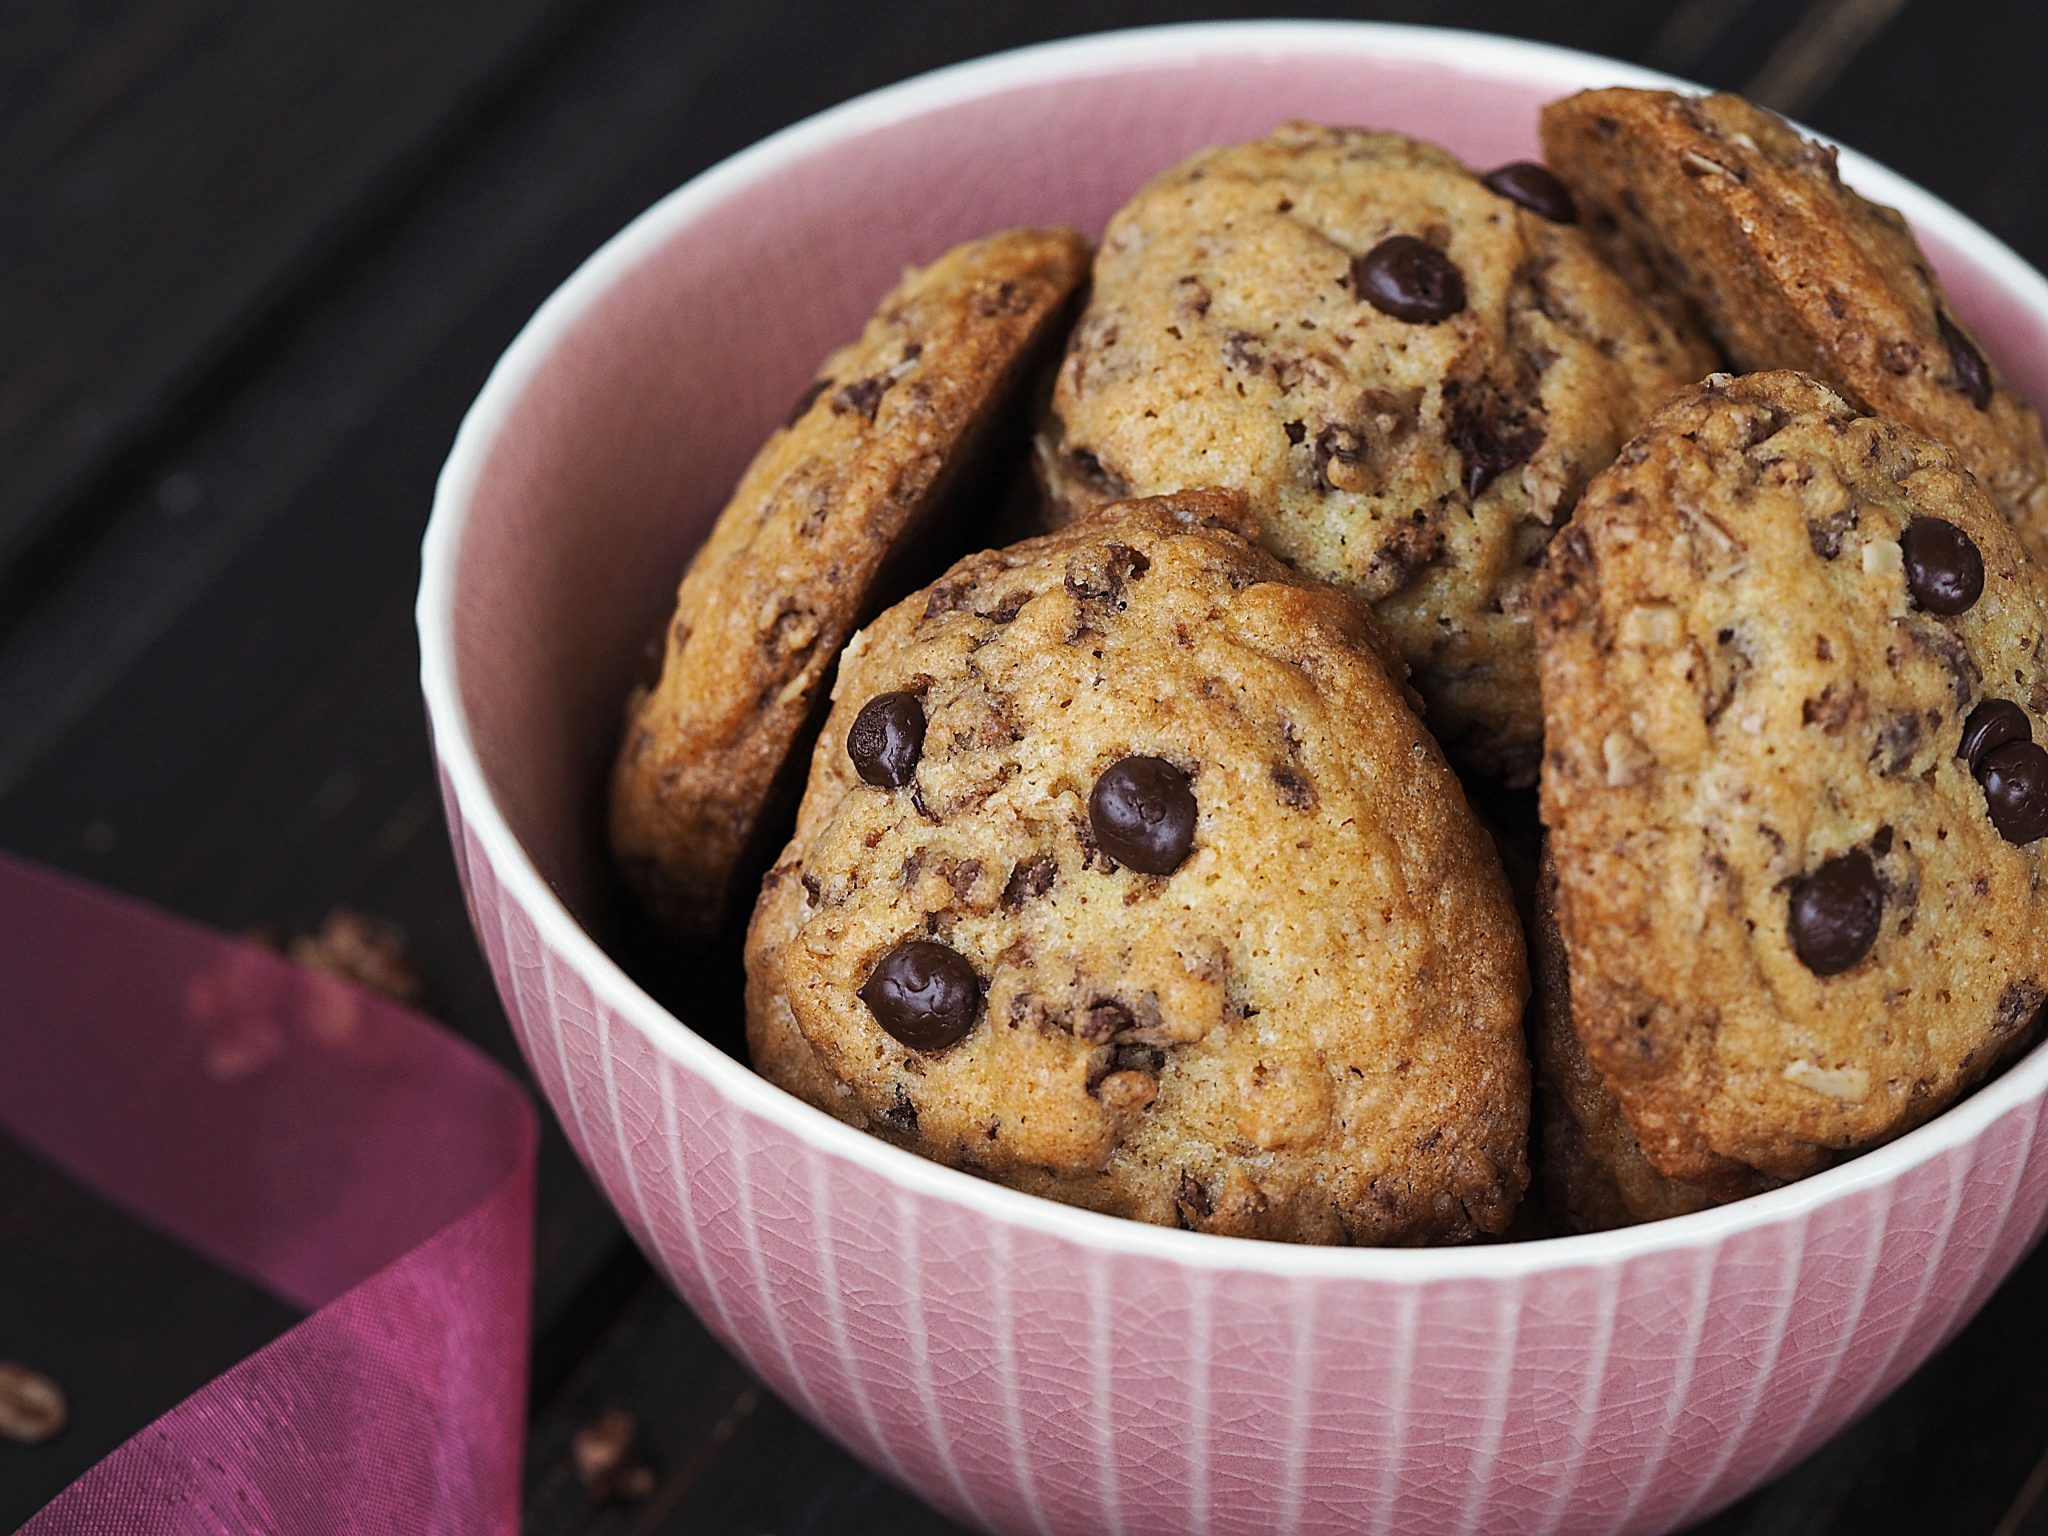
(323, 1142)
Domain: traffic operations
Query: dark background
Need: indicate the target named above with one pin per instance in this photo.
(255, 258)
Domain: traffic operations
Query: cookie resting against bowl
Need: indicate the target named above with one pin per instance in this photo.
(1411, 370)
(1749, 225)
(810, 542)
(1795, 687)
(1126, 874)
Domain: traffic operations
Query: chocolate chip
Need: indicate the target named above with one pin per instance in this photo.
(1947, 648)
(2015, 780)
(1973, 374)
(1491, 435)
(924, 994)
(1006, 298)
(861, 398)
(2019, 1004)
(947, 597)
(1032, 878)
(1409, 279)
(1241, 349)
(1295, 790)
(902, 1114)
(1408, 547)
(1096, 475)
(1100, 575)
(1138, 1057)
(963, 877)
(1191, 1202)
(1825, 533)
(1993, 724)
(1944, 571)
(1104, 1019)
(1006, 610)
(1295, 431)
(887, 739)
(1898, 742)
(1835, 912)
(806, 400)
(1143, 813)
(1536, 188)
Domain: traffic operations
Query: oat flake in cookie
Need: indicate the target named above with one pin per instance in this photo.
(1179, 914)
(1727, 205)
(797, 555)
(1411, 372)
(1800, 912)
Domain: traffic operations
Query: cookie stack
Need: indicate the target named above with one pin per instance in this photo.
(1161, 863)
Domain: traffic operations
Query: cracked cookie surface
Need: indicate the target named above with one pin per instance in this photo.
(1411, 374)
(1589, 1163)
(1727, 204)
(1794, 677)
(796, 557)
(1160, 901)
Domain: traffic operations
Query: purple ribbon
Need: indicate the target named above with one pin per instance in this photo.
(319, 1140)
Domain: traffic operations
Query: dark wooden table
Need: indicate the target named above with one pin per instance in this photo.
(255, 258)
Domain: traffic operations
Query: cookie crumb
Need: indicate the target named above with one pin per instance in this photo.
(32, 1406)
(368, 951)
(603, 1455)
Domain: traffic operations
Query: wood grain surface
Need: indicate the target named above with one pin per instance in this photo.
(257, 259)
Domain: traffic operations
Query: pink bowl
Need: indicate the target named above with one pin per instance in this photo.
(1025, 1366)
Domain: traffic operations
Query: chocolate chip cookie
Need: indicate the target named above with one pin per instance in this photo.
(1591, 1167)
(1794, 685)
(1127, 875)
(1410, 369)
(1725, 203)
(798, 556)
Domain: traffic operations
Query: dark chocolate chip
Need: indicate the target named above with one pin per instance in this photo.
(1295, 431)
(1973, 374)
(1143, 813)
(861, 398)
(1100, 575)
(1536, 188)
(1834, 913)
(1295, 790)
(1098, 476)
(1993, 724)
(902, 1114)
(1409, 279)
(806, 400)
(924, 994)
(1490, 435)
(2015, 780)
(1241, 349)
(1944, 571)
(887, 739)
(1104, 1019)
(2021, 1003)
(1191, 1201)
(1825, 533)
(1032, 878)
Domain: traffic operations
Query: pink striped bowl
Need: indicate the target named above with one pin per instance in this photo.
(1025, 1366)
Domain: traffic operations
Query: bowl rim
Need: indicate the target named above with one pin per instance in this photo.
(2025, 1082)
